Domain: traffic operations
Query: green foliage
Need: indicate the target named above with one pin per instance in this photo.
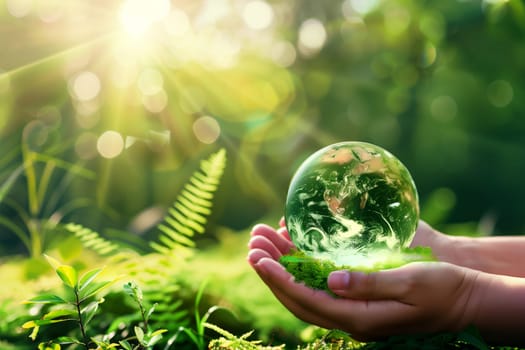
(92, 240)
(36, 219)
(80, 306)
(77, 306)
(229, 341)
(197, 335)
(314, 272)
(188, 214)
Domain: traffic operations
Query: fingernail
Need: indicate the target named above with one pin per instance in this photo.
(339, 280)
(261, 267)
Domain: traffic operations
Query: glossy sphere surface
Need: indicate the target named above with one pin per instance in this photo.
(350, 202)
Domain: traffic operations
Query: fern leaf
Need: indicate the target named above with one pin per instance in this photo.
(188, 214)
(91, 239)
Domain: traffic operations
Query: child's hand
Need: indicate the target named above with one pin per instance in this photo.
(415, 298)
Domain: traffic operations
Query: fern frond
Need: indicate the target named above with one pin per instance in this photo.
(228, 341)
(188, 214)
(92, 240)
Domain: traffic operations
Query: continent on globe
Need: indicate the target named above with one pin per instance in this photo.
(351, 202)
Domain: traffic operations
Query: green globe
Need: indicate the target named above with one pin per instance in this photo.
(352, 203)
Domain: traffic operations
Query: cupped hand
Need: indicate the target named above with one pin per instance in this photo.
(419, 297)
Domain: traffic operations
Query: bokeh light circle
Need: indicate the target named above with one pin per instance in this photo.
(257, 14)
(110, 144)
(86, 146)
(206, 129)
(312, 35)
(85, 86)
(19, 8)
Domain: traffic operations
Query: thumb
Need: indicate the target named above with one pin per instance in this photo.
(381, 285)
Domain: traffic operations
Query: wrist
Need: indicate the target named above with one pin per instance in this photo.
(496, 307)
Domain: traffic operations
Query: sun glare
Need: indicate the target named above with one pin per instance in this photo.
(138, 16)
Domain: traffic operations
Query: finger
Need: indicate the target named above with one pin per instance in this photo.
(284, 232)
(263, 243)
(423, 236)
(392, 284)
(366, 320)
(254, 255)
(279, 281)
(283, 245)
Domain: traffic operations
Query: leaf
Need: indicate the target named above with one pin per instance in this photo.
(68, 275)
(46, 299)
(154, 338)
(68, 340)
(188, 214)
(29, 324)
(34, 333)
(89, 311)
(139, 333)
(126, 345)
(60, 313)
(55, 264)
(6, 186)
(49, 346)
(150, 311)
(87, 278)
(93, 289)
(158, 331)
(133, 290)
(471, 336)
(37, 323)
(93, 240)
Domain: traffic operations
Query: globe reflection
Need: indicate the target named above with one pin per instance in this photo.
(350, 202)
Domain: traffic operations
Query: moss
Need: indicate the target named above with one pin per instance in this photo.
(314, 272)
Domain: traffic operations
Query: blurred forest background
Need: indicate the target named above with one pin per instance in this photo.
(107, 107)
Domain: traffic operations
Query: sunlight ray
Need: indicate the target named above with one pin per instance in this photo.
(57, 55)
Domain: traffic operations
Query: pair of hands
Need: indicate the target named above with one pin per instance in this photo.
(420, 297)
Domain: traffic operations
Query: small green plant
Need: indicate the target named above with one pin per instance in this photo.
(197, 335)
(145, 337)
(228, 341)
(79, 305)
(34, 222)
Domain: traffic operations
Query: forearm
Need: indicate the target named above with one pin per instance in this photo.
(499, 309)
(498, 255)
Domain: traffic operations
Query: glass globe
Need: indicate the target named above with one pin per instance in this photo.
(351, 202)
